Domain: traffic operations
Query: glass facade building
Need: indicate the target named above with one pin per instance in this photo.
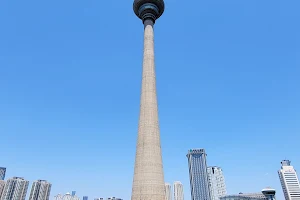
(85, 198)
(2, 173)
(198, 175)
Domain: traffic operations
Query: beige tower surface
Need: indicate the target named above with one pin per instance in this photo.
(148, 181)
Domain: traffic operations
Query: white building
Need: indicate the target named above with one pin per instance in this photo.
(289, 181)
(40, 190)
(2, 184)
(216, 182)
(168, 191)
(15, 189)
(67, 196)
(178, 190)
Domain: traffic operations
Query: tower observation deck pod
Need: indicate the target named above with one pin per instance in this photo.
(269, 193)
(148, 9)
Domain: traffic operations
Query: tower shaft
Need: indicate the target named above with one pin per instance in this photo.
(148, 181)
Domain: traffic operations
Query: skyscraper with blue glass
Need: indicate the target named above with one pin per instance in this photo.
(2, 173)
(198, 175)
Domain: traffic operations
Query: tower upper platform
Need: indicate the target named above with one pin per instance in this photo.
(148, 9)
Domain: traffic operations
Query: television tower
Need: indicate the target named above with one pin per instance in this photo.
(148, 180)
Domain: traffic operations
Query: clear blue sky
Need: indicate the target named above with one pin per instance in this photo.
(70, 75)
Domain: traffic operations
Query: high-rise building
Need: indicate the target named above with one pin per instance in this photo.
(15, 189)
(40, 190)
(216, 182)
(178, 190)
(73, 193)
(2, 184)
(85, 198)
(289, 181)
(2, 173)
(198, 174)
(168, 191)
(148, 180)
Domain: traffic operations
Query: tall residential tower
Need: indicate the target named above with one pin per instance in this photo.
(2, 185)
(198, 175)
(40, 190)
(289, 181)
(168, 191)
(178, 190)
(216, 182)
(148, 180)
(15, 189)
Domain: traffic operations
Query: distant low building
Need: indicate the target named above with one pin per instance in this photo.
(67, 196)
(265, 194)
(113, 198)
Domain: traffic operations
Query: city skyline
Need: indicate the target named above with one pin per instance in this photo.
(212, 171)
(228, 77)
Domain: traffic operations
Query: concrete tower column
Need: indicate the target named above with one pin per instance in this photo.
(148, 181)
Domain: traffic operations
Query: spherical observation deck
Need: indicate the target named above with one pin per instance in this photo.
(148, 9)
